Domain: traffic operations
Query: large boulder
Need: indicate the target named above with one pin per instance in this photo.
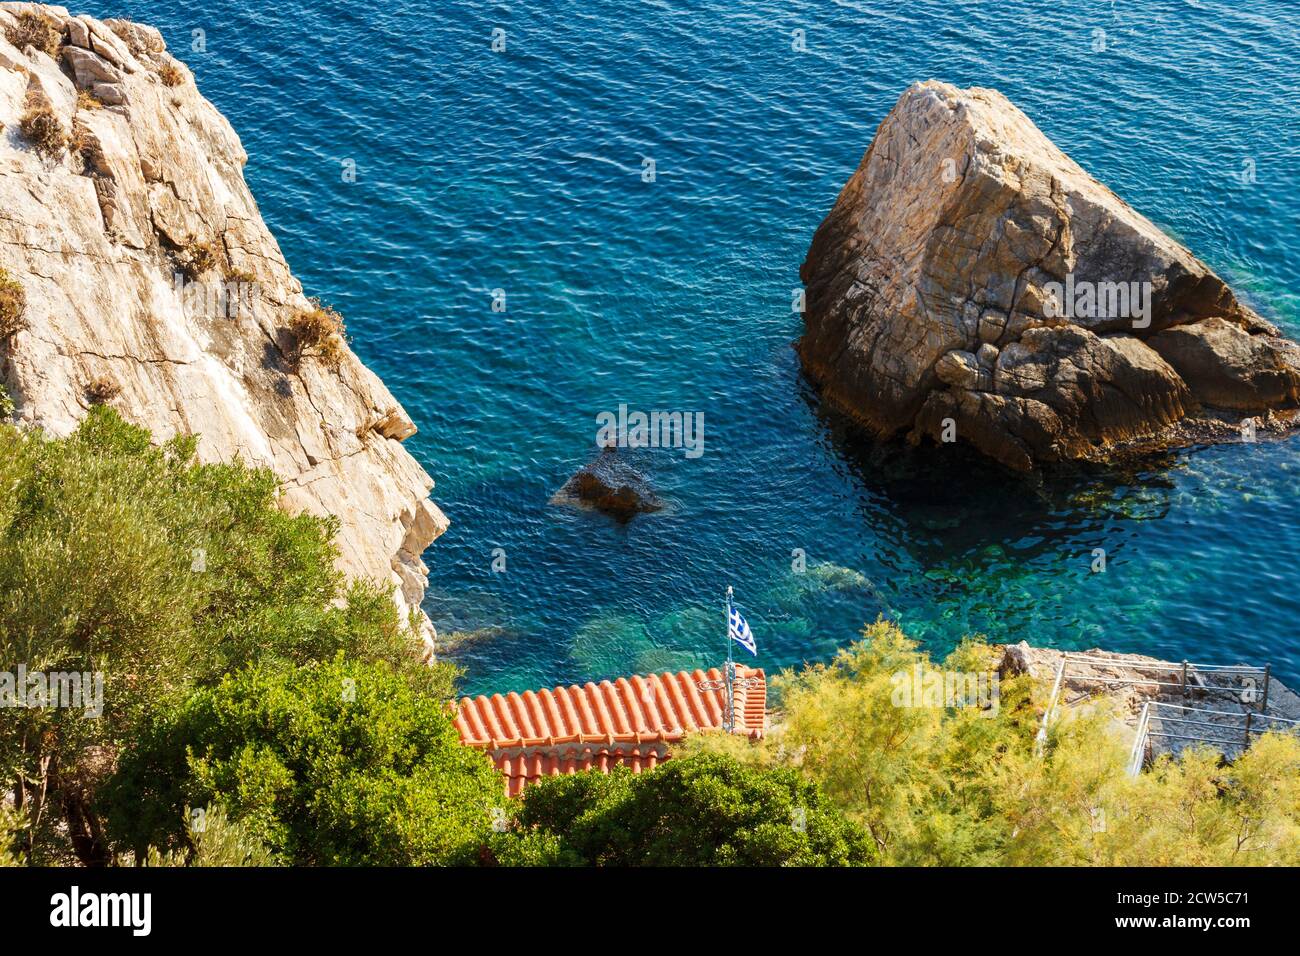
(1229, 367)
(972, 282)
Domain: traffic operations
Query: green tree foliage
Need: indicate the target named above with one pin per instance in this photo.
(704, 810)
(134, 561)
(962, 785)
(215, 840)
(241, 674)
(10, 833)
(335, 763)
(1080, 808)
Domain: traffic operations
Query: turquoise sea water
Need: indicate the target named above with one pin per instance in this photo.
(522, 171)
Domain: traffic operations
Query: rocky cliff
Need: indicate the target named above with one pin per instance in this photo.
(973, 283)
(147, 279)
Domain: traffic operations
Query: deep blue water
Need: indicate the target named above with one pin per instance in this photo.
(522, 171)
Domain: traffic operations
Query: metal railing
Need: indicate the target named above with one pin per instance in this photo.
(1233, 733)
(1186, 677)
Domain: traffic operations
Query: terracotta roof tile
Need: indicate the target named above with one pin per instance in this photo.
(630, 721)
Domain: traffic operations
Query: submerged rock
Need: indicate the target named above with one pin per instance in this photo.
(973, 283)
(610, 484)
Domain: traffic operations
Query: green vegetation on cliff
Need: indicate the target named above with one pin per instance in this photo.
(256, 709)
(337, 763)
(956, 786)
(163, 575)
(701, 810)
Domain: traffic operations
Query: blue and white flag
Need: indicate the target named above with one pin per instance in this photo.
(738, 630)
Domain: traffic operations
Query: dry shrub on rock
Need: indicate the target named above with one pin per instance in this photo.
(139, 39)
(318, 332)
(101, 391)
(198, 257)
(13, 306)
(43, 130)
(38, 30)
(85, 144)
(171, 74)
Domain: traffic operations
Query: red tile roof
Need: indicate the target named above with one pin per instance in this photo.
(630, 721)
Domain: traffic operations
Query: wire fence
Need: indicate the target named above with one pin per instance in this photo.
(1168, 721)
(1230, 733)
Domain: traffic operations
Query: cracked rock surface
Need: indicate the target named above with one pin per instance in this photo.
(970, 274)
(102, 237)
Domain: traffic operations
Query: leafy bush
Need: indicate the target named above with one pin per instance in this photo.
(214, 840)
(963, 786)
(36, 29)
(162, 574)
(43, 130)
(339, 763)
(10, 832)
(703, 810)
(13, 307)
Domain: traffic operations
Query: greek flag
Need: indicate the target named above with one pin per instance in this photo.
(738, 630)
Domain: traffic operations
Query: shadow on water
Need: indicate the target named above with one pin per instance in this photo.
(954, 489)
(963, 546)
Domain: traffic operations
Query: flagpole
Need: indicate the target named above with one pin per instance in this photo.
(731, 672)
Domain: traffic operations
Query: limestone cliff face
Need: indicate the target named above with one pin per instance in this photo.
(971, 276)
(151, 282)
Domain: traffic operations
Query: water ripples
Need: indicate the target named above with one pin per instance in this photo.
(523, 172)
